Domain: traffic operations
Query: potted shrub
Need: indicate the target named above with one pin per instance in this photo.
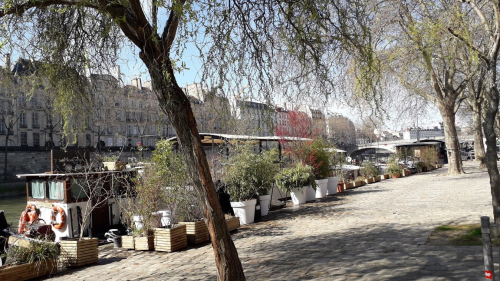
(294, 180)
(245, 178)
(190, 214)
(35, 259)
(394, 169)
(369, 171)
(157, 194)
(265, 170)
(316, 154)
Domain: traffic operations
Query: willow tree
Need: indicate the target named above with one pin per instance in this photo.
(239, 42)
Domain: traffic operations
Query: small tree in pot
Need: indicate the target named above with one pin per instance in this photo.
(293, 180)
(369, 171)
(248, 174)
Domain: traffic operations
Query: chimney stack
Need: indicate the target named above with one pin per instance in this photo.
(136, 82)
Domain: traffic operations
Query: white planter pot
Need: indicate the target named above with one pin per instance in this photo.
(332, 186)
(310, 193)
(245, 210)
(264, 204)
(321, 188)
(298, 195)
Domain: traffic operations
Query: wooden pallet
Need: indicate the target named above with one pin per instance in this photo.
(233, 223)
(146, 243)
(28, 271)
(197, 232)
(128, 242)
(170, 239)
(75, 252)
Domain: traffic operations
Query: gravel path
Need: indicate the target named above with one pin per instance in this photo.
(375, 232)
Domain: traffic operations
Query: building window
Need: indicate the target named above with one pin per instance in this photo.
(88, 139)
(24, 139)
(22, 120)
(36, 139)
(35, 123)
(110, 130)
(3, 130)
(22, 101)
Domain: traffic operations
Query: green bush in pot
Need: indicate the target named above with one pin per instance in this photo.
(295, 177)
(249, 173)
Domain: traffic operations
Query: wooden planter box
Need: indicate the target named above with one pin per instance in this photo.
(357, 183)
(128, 242)
(77, 252)
(369, 180)
(385, 176)
(146, 243)
(233, 223)
(170, 239)
(28, 271)
(377, 178)
(197, 232)
(349, 185)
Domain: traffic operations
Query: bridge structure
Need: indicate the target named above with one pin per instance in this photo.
(388, 145)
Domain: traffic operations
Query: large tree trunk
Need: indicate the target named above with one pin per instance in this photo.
(176, 105)
(451, 139)
(478, 135)
(490, 112)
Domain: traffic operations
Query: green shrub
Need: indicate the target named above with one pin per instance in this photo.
(36, 251)
(369, 170)
(250, 173)
(298, 176)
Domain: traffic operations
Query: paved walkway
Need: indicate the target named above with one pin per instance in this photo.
(375, 232)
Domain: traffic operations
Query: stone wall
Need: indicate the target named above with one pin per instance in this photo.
(24, 162)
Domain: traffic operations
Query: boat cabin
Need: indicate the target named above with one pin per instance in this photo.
(72, 202)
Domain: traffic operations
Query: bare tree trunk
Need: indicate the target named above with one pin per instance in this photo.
(452, 143)
(478, 135)
(489, 118)
(176, 105)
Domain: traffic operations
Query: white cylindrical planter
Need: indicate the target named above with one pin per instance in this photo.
(245, 210)
(332, 186)
(264, 204)
(298, 195)
(321, 187)
(310, 193)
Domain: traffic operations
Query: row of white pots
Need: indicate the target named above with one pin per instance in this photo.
(246, 210)
(324, 187)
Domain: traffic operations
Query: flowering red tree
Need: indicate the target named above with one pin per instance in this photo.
(300, 126)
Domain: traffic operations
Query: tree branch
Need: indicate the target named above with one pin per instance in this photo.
(469, 44)
(22, 8)
(170, 29)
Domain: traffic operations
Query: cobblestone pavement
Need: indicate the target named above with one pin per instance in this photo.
(375, 232)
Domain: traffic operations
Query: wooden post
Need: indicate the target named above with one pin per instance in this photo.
(487, 249)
